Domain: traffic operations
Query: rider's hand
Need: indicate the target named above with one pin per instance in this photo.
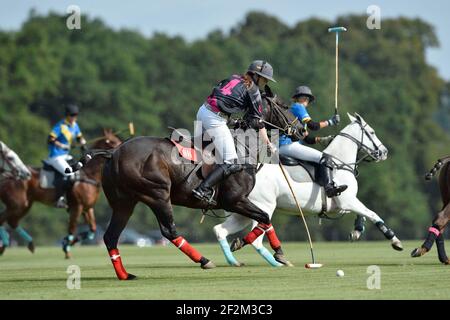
(334, 120)
(325, 141)
(64, 146)
(273, 148)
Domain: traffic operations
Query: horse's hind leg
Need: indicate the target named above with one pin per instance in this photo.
(122, 210)
(164, 213)
(231, 225)
(435, 234)
(246, 208)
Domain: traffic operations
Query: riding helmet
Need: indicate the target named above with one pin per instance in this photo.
(262, 68)
(304, 91)
(72, 109)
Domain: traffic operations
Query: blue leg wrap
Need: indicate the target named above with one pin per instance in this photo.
(268, 257)
(23, 234)
(4, 236)
(227, 252)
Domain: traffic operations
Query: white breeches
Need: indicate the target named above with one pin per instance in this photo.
(301, 152)
(216, 128)
(60, 164)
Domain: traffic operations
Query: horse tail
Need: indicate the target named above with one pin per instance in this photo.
(437, 166)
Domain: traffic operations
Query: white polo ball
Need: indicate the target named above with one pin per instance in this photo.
(340, 273)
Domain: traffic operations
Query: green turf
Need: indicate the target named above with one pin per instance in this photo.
(165, 273)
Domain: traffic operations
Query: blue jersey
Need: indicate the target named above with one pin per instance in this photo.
(300, 112)
(65, 133)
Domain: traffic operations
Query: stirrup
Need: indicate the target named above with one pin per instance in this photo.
(200, 195)
(61, 203)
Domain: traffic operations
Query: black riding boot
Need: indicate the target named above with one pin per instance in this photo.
(61, 187)
(205, 191)
(326, 166)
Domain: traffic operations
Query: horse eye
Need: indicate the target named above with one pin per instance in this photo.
(10, 158)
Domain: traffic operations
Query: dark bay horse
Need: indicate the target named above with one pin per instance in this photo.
(441, 219)
(19, 195)
(142, 169)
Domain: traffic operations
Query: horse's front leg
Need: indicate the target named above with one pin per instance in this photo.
(358, 229)
(355, 205)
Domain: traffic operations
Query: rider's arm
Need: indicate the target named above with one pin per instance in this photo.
(314, 126)
(53, 136)
(255, 106)
(80, 137)
(300, 112)
(52, 140)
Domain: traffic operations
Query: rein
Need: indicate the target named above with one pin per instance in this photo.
(373, 154)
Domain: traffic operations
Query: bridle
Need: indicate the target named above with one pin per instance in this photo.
(288, 126)
(371, 154)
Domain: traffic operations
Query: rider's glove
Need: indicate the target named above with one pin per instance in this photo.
(334, 120)
(64, 146)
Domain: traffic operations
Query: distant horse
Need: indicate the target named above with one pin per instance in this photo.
(143, 170)
(11, 167)
(19, 196)
(441, 219)
(271, 190)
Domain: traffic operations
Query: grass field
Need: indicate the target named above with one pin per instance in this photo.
(165, 273)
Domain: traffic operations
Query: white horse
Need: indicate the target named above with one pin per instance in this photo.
(272, 191)
(11, 166)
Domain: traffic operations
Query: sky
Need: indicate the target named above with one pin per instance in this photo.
(194, 19)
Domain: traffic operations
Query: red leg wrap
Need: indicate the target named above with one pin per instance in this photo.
(273, 239)
(117, 264)
(256, 232)
(187, 249)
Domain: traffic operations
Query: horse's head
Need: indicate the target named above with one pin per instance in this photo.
(10, 164)
(360, 132)
(276, 115)
(108, 141)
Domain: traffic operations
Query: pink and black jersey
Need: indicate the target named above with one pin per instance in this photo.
(232, 96)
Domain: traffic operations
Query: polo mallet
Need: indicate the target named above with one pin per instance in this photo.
(337, 30)
(312, 265)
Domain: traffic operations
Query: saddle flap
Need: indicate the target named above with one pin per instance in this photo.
(311, 168)
(47, 178)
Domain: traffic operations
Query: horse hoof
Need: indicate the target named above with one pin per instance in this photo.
(208, 265)
(236, 244)
(2, 249)
(238, 264)
(67, 255)
(31, 246)
(131, 277)
(281, 259)
(417, 252)
(397, 244)
(447, 262)
(355, 235)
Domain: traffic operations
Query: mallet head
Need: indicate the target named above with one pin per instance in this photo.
(337, 29)
(313, 265)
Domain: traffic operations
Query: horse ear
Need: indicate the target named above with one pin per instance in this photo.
(352, 118)
(360, 119)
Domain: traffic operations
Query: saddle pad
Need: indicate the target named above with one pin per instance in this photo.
(186, 152)
(46, 179)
